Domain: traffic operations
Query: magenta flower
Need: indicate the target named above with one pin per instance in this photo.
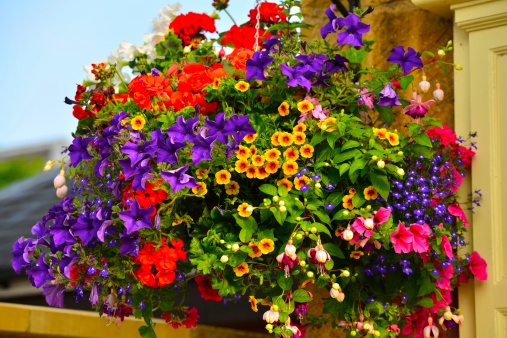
(446, 246)
(455, 210)
(417, 109)
(402, 239)
(420, 243)
(478, 266)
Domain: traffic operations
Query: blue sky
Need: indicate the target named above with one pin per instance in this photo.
(45, 44)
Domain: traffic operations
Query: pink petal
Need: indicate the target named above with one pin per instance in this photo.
(446, 246)
(402, 239)
(420, 242)
(382, 216)
(455, 210)
(478, 266)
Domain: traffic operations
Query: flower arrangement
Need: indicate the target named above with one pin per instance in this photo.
(259, 172)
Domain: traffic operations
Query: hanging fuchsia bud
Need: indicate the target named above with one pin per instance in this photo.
(337, 294)
(290, 249)
(59, 180)
(271, 316)
(347, 234)
(438, 93)
(62, 191)
(424, 85)
(319, 256)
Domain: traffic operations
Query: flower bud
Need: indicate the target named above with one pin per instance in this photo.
(313, 230)
(346, 213)
(302, 263)
(281, 203)
(59, 180)
(317, 185)
(269, 327)
(228, 246)
(49, 165)
(224, 259)
(441, 52)
(235, 247)
(374, 158)
(275, 198)
(458, 66)
(249, 208)
(298, 219)
(336, 286)
(400, 153)
(347, 234)
(353, 333)
(400, 172)
(222, 241)
(299, 237)
(368, 223)
(62, 191)
(187, 49)
(424, 85)
(345, 273)
(381, 164)
(283, 208)
(438, 93)
(310, 274)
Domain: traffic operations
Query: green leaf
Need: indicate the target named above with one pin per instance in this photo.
(282, 190)
(321, 228)
(380, 183)
(343, 168)
(301, 296)
(322, 281)
(358, 200)
(350, 144)
(269, 189)
(279, 216)
(423, 139)
(427, 287)
(333, 250)
(346, 156)
(355, 55)
(317, 138)
(245, 235)
(322, 216)
(237, 258)
(284, 282)
(147, 332)
(425, 302)
(405, 81)
(246, 222)
(358, 164)
(331, 139)
(421, 150)
(386, 114)
(204, 263)
(335, 198)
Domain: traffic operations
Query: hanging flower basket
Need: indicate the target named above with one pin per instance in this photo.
(257, 164)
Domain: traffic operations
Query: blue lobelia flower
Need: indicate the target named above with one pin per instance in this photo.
(406, 61)
(177, 178)
(388, 97)
(136, 217)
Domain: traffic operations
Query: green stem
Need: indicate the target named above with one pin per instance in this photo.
(230, 16)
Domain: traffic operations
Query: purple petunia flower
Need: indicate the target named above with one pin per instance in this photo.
(54, 294)
(136, 152)
(203, 145)
(183, 130)
(215, 128)
(334, 23)
(270, 44)
(136, 217)
(388, 97)
(336, 64)
(256, 66)
(296, 77)
(178, 180)
(238, 127)
(353, 35)
(406, 61)
(78, 150)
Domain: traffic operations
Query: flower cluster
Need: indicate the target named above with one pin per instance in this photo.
(259, 173)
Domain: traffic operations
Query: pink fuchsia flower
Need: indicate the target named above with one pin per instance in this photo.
(271, 316)
(402, 239)
(296, 333)
(420, 243)
(366, 98)
(455, 210)
(364, 226)
(319, 256)
(417, 109)
(431, 330)
(478, 266)
(287, 259)
(449, 320)
(438, 93)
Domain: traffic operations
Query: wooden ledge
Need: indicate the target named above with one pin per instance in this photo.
(19, 321)
(440, 7)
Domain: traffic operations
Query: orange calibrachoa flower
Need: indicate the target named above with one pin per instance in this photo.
(266, 246)
(299, 137)
(370, 193)
(347, 202)
(258, 160)
(201, 174)
(356, 254)
(216, 83)
(291, 154)
(327, 124)
(251, 171)
(201, 190)
(242, 86)
(380, 133)
(241, 166)
(250, 138)
(283, 109)
(242, 152)
(223, 177)
(253, 303)
(299, 128)
(305, 106)
(272, 167)
(288, 184)
(306, 151)
(138, 122)
(253, 150)
(256, 250)
(245, 210)
(302, 181)
(241, 269)
(393, 138)
(232, 188)
(274, 138)
(285, 139)
(290, 168)
(261, 173)
(272, 154)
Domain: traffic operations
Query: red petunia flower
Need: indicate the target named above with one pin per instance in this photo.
(204, 287)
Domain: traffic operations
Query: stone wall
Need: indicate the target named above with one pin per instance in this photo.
(394, 23)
